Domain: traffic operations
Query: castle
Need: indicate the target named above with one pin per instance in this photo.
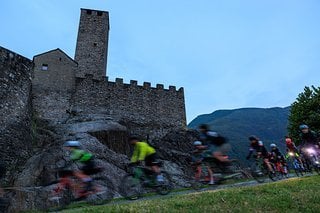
(62, 85)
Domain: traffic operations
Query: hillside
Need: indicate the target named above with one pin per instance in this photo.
(270, 125)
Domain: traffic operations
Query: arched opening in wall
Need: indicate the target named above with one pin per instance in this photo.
(115, 140)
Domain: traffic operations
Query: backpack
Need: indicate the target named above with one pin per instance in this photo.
(215, 139)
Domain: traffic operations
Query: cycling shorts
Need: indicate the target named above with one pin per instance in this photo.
(150, 160)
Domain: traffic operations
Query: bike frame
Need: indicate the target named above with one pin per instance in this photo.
(201, 169)
(144, 174)
(70, 181)
(280, 167)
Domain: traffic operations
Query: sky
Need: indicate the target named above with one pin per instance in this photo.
(226, 54)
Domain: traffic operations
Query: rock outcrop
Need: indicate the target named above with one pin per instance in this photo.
(40, 170)
(32, 146)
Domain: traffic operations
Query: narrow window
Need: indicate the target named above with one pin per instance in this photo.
(44, 67)
(99, 13)
(95, 44)
(60, 59)
(89, 12)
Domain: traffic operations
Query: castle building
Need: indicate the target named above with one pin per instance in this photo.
(61, 84)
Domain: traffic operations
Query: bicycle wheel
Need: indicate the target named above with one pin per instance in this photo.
(165, 187)
(258, 172)
(278, 169)
(298, 168)
(237, 168)
(103, 191)
(317, 170)
(131, 187)
(202, 177)
(274, 175)
(58, 201)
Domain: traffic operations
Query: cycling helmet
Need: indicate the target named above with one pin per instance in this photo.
(288, 141)
(253, 138)
(197, 143)
(72, 144)
(273, 145)
(303, 126)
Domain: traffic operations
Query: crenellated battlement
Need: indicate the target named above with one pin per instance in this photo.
(133, 83)
(82, 82)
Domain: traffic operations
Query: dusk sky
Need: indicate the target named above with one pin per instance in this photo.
(226, 54)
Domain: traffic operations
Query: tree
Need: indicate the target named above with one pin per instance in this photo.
(305, 110)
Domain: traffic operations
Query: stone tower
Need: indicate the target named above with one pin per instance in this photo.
(92, 43)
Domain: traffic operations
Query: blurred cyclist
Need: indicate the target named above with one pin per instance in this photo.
(291, 145)
(261, 151)
(218, 147)
(83, 157)
(307, 136)
(198, 156)
(144, 152)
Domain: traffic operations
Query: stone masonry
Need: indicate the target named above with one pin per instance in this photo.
(142, 109)
(15, 108)
(62, 85)
(92, 44)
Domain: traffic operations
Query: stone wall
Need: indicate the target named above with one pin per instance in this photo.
(142, 109)
(51, 105)
(53, 84)
(15, 108)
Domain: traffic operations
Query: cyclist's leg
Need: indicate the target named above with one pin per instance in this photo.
(267, 162)
(198, 171)
(210, 172)
(151, 161)
(221, 152)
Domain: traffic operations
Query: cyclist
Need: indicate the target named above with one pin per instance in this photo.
(277, 156)
(291, 145)
(261, 151)
(197, 161)
(218, 147)
(144, 152)
(307, 136)
(83, 157)
(275, 152)
(308, 141)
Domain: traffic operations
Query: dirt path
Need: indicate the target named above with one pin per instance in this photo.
(210, 188)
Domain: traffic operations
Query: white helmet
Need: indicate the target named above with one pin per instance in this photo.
(197, 143)
(273, 145)
(72, 144)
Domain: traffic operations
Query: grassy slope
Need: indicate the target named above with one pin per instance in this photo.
(293, 195)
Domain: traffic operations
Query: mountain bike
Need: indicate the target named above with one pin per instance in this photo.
(260, 171)
(221, 171)
(281, 169)
(313, 158)
(140, 179)
(296, 164)
(69, 189)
